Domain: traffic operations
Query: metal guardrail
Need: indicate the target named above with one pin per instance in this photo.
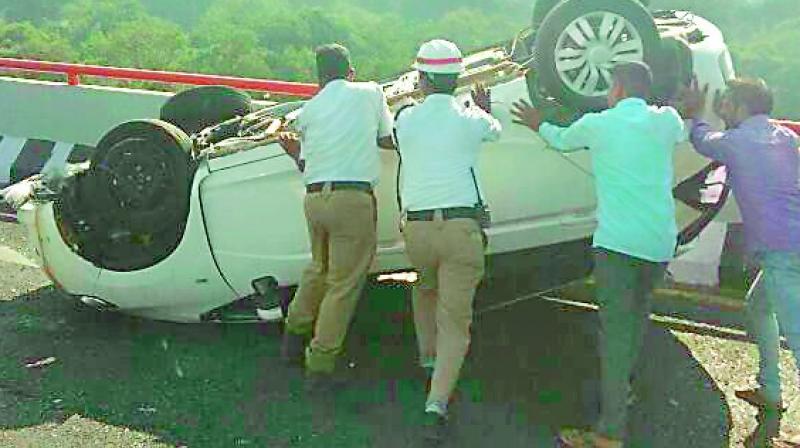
(74, 72)
(793, 125)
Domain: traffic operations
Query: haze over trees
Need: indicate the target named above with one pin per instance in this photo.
(275, 38)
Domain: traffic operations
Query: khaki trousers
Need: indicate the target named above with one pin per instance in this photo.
(449, 258)
(342, 228)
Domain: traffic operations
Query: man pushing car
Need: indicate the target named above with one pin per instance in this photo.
(764, 163)
(439, 140)
(337, 151)
(632, 145)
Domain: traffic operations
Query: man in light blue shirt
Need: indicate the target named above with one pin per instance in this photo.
(632, 145)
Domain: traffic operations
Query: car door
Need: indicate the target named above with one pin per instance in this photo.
(253, 208)
(538, 196)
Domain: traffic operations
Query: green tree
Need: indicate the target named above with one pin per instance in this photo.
(26, 40)
(276, 38)
(227, 49)
(81, 19)
(30, 10)
(183, 12)
(147, 42)
(776, 58)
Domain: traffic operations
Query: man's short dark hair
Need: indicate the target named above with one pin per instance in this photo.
(333, 62)
(442, 82)
(635, 77)
(753, 94)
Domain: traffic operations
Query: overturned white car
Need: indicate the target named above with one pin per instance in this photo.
(209, 226)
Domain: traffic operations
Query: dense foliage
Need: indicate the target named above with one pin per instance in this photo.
(275, 38)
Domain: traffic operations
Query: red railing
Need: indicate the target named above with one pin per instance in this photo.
(793, 125)
(75, 71)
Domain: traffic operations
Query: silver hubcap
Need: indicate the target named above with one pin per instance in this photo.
(590, 46)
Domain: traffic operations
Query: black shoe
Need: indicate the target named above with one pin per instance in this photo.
(435, 428)
(293, 349)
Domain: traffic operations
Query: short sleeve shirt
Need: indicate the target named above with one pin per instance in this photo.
(439, 140)
(339, 130)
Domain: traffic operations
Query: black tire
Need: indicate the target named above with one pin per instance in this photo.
(556, 24)
(672, 69)
(543, 7)
(200, 107)
(145, 168)
(129, 210)
(540, 10)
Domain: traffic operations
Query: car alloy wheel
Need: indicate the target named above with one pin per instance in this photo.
(589, 47)
(580, 41)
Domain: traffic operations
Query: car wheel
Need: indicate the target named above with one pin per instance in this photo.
(129, 210)
(144, 166)
(540, 10)
(579, 42)
(673, 68)
(542, 7)
(200, 107)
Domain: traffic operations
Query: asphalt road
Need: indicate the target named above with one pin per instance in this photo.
(119, 381)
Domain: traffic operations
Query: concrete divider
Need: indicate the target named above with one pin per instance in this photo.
(73, 114)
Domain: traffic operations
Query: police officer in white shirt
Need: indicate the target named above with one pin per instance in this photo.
(438, 141)
(341, 129)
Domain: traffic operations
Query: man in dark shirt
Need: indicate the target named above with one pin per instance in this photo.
(763, 160)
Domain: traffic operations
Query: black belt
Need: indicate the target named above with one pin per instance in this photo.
(357, 186)
(447, 214)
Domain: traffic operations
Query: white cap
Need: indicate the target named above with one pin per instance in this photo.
(440, 56)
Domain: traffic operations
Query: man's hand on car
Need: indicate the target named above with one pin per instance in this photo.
(724, 109)
(290, 142)
(482, 97)
(526, 115)
(692, 100)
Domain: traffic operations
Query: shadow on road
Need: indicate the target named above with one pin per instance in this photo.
(532, 369)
